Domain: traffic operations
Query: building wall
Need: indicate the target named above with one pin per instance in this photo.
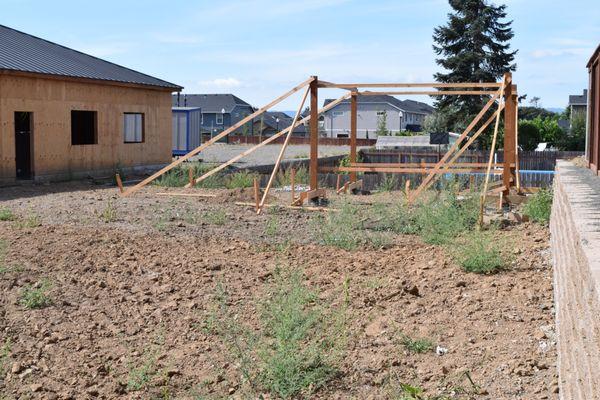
(593, 114)
(51, 102)
(575, 244)
(367, 119)
(209, 121)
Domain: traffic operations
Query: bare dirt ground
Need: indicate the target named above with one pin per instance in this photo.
(138, 289)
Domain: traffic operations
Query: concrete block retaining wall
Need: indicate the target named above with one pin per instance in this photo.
(575, 243)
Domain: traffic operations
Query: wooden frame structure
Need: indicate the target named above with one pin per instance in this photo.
(503, 93)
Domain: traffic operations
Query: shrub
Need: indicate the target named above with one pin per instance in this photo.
(420, 345)
(479, 252)
(388, 183)
(109, 214)
(241, 179)
(539, 206)
(442, 219)
(6, 214)
(397, 218)
(283, 177)
(36, 297)
(298, 345)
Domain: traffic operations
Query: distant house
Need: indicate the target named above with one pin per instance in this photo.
(400, 115)
(272, 122)
(578, 104)
(65, 114)
(219, 111)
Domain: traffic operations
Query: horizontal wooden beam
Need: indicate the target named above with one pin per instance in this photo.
(431, 93)
(404, 170)
(423, 165)
(411, 85)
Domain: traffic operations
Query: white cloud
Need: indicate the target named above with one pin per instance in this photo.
(221, 83)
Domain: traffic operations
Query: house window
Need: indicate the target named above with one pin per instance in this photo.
(338, 113)
(381, 113)
(84, 127)
(219, 119)
(133, 127)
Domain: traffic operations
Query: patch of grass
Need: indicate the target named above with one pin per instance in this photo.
(179, 176)
(139, 376)
(5, 356)
(36, 296)
(31, 220)
(217, 217)
(441, 219)
(109, 213)
(388, 183)
(240, 179)
(283, 177)
(6, 214)
(298, 345)
(419, 345)
(539, 206)
(479, 252)
(396, 218)
(272, 226)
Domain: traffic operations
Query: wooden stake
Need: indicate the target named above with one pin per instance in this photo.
(313, 166)
(215, 139)
(282, 152)
(471, 182)
(191, 175)
(337, 183)
(353, 127)
(256, 194)
(491, 158)
(293, 183)
(119, 182)
(407, 188)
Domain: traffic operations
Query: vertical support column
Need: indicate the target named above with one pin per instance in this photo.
(510, 132)
(353, 122)
(314, 134)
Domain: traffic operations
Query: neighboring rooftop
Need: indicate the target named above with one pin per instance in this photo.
(390, 142)
(22, 52)
(210, 103)
(578, 99)
(404, 105)
(270, 119)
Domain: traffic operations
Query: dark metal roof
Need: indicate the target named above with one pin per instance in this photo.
(22, 52)
(404, 105)
(578, 99)
(210, 103)
(270, 120)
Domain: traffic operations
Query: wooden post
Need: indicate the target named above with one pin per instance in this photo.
(191, 175)
(256, 194)
(119, 182)
(314, 134)
(510, 133)
(337, 183)
(293, 183)
(471, 182)
(353, 127)
(407, 188)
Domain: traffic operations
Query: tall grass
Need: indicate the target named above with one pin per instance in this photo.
(479, 252)
(539, 206)
(283, 177)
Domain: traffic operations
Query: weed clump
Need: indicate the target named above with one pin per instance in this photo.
(539, 206)
(6, 214)
(284, 177)
(298, 344)
(36, 296)
(109, 213)
(419, 345)
(480, 253)
(241, 179)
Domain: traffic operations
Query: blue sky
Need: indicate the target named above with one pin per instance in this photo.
(259, 49)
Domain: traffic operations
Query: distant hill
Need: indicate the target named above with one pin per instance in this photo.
(557, 110)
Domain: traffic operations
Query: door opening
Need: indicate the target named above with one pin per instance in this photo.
(23, 144)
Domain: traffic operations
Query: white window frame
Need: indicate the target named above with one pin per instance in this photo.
(338, 113)
(134, 131)
(217, 116)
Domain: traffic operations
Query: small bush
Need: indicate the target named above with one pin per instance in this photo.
(388, 183)
(6, 214)
(31, 220)
(36, 297)
(479, 252)
(139, 376)
(241, 179)
(420, 345)
(109, 214)
(339, 228)
(539, 206)
(217, 217)
(283, 177)
(397, 218)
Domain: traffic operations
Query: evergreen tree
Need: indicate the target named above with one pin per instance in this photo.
(473, 47)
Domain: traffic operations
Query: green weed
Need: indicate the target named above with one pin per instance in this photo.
(139, 376)
(217, 217)
(479, 252)
(272, 226)
(388, 183)
(109, 213)
(36, 296)
(6, 214)
(284, 177)
(31, 220)
(241, 179)
(5, 356)
(539, 206)
(419, 345)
